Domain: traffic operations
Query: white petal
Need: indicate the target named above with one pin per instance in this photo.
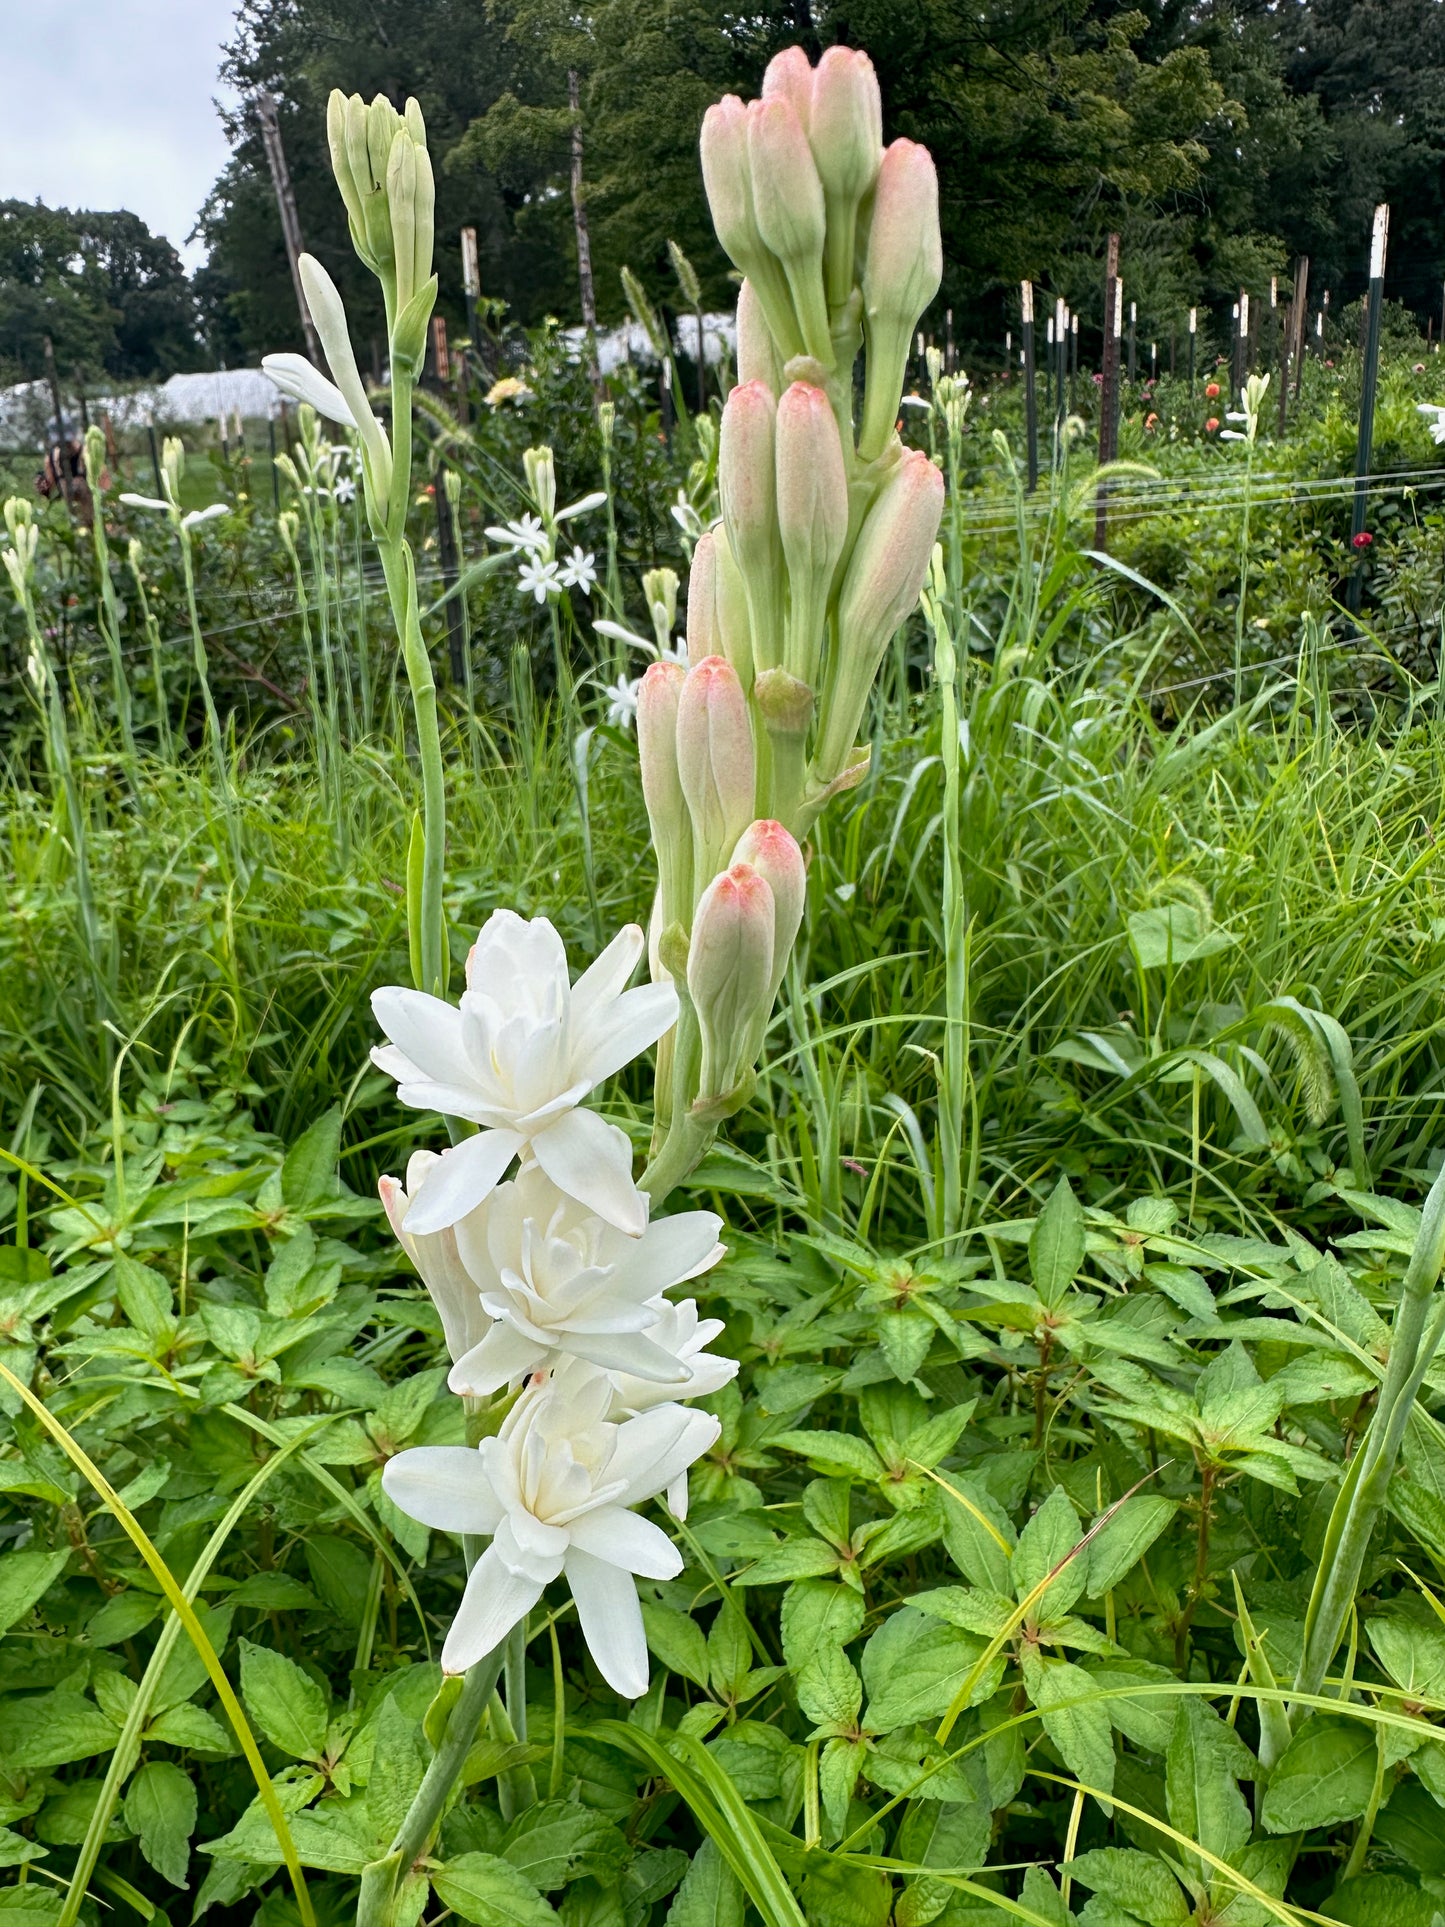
(677, 1497)
(198, 516)
(582, 506)
(611, 1621)
(504, 1354)
(606, 979)
(493, 1603)
(329, 314)
(295, 376)
(652, 1449)
(144, 502)
(621, 1538)
(591, 1161)
(465, 1175)
(426, 1029)
(629, 1352)
(623, 1030)
(673, 1249)
(443, 1486)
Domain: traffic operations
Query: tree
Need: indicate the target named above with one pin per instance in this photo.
(112, 296)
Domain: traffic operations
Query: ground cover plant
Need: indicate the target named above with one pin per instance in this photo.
(1050, 1492)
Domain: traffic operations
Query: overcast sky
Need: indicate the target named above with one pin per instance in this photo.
(110, 103)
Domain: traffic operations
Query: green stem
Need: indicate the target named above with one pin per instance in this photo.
(63, 775)
(1413, 1343)
(382, 1881)
(1355, 1863)
(400, 573)
(109, 615)
(213, 721)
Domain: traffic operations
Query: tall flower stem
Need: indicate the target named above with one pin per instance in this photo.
(153, 638)
(382, 1882)
(213, 722)
(1418, 1329)
(108, 615)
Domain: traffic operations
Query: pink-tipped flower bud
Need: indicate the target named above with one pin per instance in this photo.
(730, 982)
(658, 701)
(901, 274)
(812, 496)
(727, 180)
(788, 207)
(845, 132)
(768, 848)
(747, 484)
(880, 588)
(757, 351)
(715, 761)
(789, 75)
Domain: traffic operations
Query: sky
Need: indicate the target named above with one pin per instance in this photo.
(111, 104)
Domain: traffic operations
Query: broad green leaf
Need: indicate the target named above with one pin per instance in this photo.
(1056, 1244)
(1202, 1766)
(913, 1667)
(819, 1618)
(490, 1892)
(676, 1640)
(160, 1807)
(1412, 1653)
(1123, 1540)
(1136, 1881)
(555, 1842)
(25, 1578)
(711, 1895)
(1046, 1540)
(288, 1705)
(1082, 1733)
(1174, 933)
(1324, 1776)
(308, 1176)
(1383, 1900)
(144, 1295)
(974, 1524)
(51, 1729)
(834, 1452)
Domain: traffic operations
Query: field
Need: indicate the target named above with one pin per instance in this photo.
(1069, 1544)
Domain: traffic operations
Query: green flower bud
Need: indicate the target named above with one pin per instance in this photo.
(660, 586)
(730, 982)
(667, 813)
(94, 456)
(715, 761)
(540, 469)
(747, 486)
(901, 274)
(788, 208)
(812, 499)
(880, 588)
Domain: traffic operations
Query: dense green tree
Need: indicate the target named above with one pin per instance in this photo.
(112, 296)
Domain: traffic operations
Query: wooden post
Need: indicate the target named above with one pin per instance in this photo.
(1061, 351)
(1133, 329)
(1109, 390)
(286, 205)
(447, 557)
(1031, 402)
(1193, 331)
(1049, 365)
(583, 234)
(1298, 317)
(62, 458)
(471, 280)
(1364, 447)
(441, 361)
(1073, 364)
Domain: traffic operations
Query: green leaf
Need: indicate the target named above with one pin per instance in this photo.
(833, 1452)
(1123, 1540)
(913, 1667)
(51, 1729)
(729, 1652)
(289, 1706)
(192, 1727)
(1204, 1761)
(308, 1176)
(555, 1842)
(30, 1906)
(1082, 1734)
(677, 1641)
(1047, 1539)
(160, 1808)
(1383, 1900)
(490, 1892)
(819, 1618)
(1056, 1244)
(974, 1524)
(1324, 1776)
(1136, 1881)
(711, 1895)
(1174, 933)
(144, 1295)
(25, 1578)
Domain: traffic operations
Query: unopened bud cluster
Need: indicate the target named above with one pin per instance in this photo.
(823, 544)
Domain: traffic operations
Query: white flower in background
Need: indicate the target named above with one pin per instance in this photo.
(558, 1279)
(584, 505)
(197, 516)
(517, 1058)
(675, 651)
(1434, 419)
(345, 489)
(451, 1290)
(554, 1488)
(526, 533)
(1248, 414)
(578, 571)
(539, 579)
(622, 701)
